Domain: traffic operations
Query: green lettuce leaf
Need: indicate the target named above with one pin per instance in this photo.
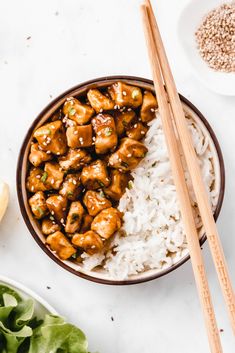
(8, 290)
(22, 332)
(57, 336)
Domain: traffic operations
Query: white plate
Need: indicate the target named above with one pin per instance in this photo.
(41, 306)
(189, 21)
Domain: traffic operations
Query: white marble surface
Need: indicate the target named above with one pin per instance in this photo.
(70, 42)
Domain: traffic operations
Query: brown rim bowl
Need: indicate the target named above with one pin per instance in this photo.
(22, 167)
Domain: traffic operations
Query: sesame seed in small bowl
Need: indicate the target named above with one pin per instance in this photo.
(206, 31)
(102, 203)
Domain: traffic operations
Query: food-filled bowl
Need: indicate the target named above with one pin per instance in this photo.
(151, 242)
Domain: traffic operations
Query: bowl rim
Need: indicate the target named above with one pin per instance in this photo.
(28, 292)
(23, 208)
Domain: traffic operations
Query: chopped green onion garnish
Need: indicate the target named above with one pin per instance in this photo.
(72, 111)
(102, 193)
(108, 131)
(130, 185)
(135, 94)
(69, 193)
(40, 210)
(44, 177)
(124, 164)
(44, 132)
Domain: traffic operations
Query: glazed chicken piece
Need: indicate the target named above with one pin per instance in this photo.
(99, 101)
(95, 175)
(107, 222)
(106, 136)
(74, 218)
(148, 108)
(119, 182)
(49, 226)
(36, 180)
(61, 245)
(79, 136)
(53, 175)
(124, 120)
(137, 131)
(51, 138)
(125, 95)
(86, 223)
(95, 202)
(128, 156)
(77, 111)
(71, 187)
(89, 241)
(38, 205)
(75, 159)
(38, 156)
(57, 205)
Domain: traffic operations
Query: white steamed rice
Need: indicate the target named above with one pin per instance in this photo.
(152, 235)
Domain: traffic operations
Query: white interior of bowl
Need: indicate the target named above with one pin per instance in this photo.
(99, 273)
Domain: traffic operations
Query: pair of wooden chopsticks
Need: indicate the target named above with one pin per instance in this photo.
(173, 119)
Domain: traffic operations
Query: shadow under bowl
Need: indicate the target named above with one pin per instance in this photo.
(23, 165)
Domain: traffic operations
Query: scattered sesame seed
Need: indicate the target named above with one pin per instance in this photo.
(93, 247)
(142, 132)
(74, 182)
(52, 181)
(124, 93)
(129, 155)
(152, 110)
(62, 220)
(135, 126)
(52, 212)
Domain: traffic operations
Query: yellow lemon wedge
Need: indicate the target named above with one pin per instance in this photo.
(4, 198)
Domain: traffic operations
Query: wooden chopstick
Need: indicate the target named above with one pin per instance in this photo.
(182, 191)
(195, 173)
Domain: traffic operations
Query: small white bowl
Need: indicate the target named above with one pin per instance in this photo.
(41, 306)
(189, 21)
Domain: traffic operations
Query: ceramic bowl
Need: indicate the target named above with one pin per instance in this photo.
(41, 306)
(189, 21)
(23, 164)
